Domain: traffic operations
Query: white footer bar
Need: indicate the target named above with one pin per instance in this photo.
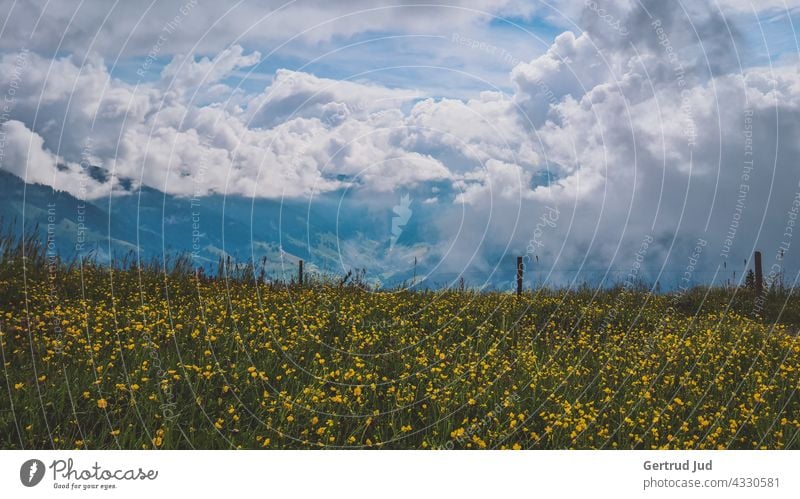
(406, 474)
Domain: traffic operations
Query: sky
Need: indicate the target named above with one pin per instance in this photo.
(586, 135)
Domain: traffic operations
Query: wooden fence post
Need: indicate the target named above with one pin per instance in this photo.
(520, 268)
(300, 272)
(759, 274)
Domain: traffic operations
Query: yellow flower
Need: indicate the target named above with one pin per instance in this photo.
(102, 403)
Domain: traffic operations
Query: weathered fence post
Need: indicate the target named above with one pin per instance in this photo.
(300, 272)
(520, 268)
(759, 275)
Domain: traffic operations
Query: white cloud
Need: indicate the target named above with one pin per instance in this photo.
(133, 28)
(296, 94)
(188, 73)
(22, 152)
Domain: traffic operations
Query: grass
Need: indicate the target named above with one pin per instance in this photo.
(139, 357)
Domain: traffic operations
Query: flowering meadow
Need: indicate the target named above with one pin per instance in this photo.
(139, 358)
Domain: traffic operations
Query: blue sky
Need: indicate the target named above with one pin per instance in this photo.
(770, 36)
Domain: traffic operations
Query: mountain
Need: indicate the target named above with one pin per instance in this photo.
(333, 233)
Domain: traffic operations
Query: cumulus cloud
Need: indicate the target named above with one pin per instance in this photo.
(300, 135)
(22, 152)
(649, 134)
(641, 128)
(189, 73)
(295, 94)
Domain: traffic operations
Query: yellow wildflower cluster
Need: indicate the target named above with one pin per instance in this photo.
(146, 360)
